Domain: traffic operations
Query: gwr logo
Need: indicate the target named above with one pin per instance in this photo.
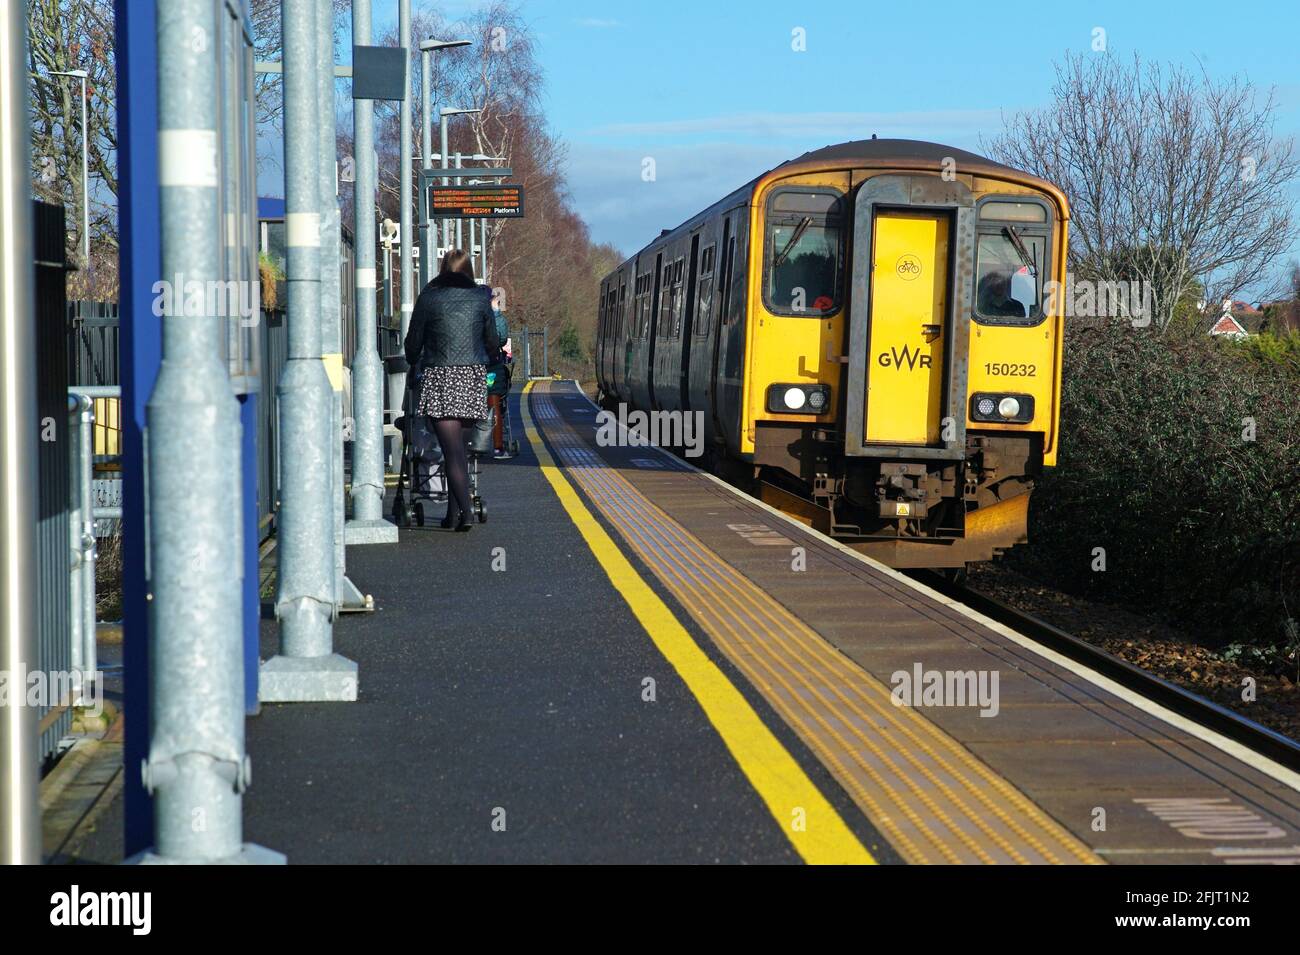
(907, 356)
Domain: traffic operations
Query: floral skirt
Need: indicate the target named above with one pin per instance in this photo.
(454, 391)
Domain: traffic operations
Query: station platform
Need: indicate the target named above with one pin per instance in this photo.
(632, 661)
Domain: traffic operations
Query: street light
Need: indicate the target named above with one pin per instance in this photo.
(427, 49)
(85, 162)
(445, 113)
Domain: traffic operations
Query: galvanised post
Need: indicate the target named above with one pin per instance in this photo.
(20, 828)
(426, 162)
(442, 163)
(460, 240)
(346, 595)
(404, 189)
(306, 667)
(85, 658)
(196, 770)
(367, 525)
(76, 617)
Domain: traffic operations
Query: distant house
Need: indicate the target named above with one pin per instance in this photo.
(1229, 324)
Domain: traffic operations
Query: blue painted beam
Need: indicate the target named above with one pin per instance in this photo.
(139, 266)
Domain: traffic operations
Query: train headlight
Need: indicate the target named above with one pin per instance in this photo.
(1002, 408)
(798, 399)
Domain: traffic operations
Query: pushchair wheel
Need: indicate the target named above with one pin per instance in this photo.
(399, 513)
(419, 513)
(480, 509)
(514, 445)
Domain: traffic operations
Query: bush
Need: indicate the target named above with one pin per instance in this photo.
(1181, 458)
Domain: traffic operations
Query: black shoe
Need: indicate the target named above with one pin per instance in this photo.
(463, 525)
(447, 522)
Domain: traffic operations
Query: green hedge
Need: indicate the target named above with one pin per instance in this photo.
(1158, 467)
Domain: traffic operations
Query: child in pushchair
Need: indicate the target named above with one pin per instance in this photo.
(423, 477)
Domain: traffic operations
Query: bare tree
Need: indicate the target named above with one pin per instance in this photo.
(1174, 178)
(66, 35)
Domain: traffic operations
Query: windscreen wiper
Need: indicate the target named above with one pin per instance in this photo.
(1025, 258)
(800, 229)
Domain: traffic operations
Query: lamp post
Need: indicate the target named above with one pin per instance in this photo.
(85, 163)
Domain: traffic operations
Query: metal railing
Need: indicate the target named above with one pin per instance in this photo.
(83, 523)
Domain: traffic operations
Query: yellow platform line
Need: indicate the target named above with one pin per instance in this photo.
(802, 813)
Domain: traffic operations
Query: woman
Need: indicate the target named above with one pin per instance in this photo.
(451, 340)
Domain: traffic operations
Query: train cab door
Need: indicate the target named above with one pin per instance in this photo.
(909, 311)
(908, 318)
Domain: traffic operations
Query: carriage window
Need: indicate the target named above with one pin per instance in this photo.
(1009, 275)
(805, 252)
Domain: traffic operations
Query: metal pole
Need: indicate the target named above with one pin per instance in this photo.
(306, 668)
(404, 189)
(196, 769)
(426, 162)
(546, 364)
(85, 533)
(76, 618)
(346, 595)
(85, 175)
(367, 525)
(482, 238)
(388, 284)
(460, 241)
(442, 162)
(20, 830)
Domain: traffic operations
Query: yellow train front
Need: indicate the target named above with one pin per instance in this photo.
(868, 336)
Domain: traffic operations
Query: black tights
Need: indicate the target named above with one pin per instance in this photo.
(455, 462)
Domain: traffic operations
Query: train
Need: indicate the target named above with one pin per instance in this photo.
(870, 339)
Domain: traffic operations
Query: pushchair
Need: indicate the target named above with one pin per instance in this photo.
(423, 476)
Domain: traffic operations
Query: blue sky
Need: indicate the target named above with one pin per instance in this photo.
(715, 93)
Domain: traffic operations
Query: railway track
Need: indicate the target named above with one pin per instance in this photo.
(1211, 715)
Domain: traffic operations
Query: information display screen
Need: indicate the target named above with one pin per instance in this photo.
(505, 201)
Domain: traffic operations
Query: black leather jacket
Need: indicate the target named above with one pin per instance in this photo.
(452, 324)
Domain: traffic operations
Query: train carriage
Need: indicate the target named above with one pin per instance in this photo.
(869, 338)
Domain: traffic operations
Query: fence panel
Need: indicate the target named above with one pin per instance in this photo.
(54, 465)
